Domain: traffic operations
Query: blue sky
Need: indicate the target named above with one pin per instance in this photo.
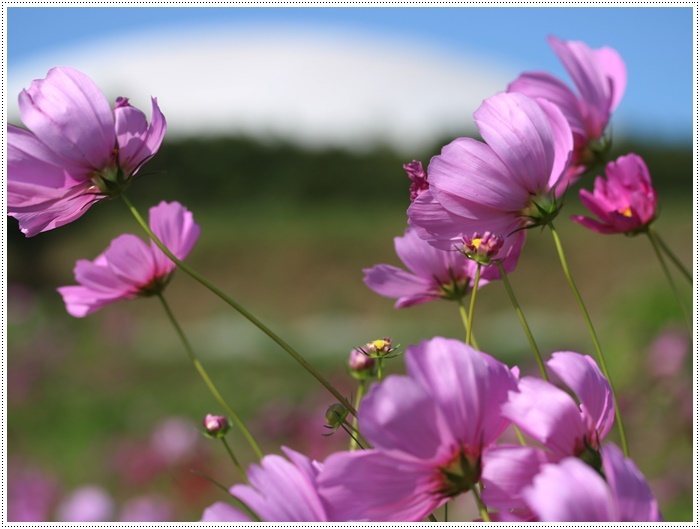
(656, 43)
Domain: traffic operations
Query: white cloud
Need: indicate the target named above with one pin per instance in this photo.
(305, 84)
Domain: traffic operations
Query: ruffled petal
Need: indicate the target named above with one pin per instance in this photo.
(69, 114)
(583, 376)
(174, 225)
(615, 70)
(137, 141)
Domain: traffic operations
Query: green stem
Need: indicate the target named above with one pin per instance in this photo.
(380, 370)
(358, 398)
(591, 330)
(432, 518)
(482, 508)
(255, 321)
(523, 322)
(653, 240)
(234, 459)
(447, 518)
(465, 322)
(670, 254)
(360, 437)
(472, 302)
(202, 372)
(519, 435)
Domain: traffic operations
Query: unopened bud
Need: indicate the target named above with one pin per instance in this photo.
(216, 426)
(482, 248)
(361, 366)
(419, 179)
(335, 414)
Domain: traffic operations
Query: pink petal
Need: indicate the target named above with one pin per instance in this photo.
(223, 512)
(634, 499)
(131, 260)
(570, 492)
(392, 282)
(613, 67)
(138, 141)
(174, 225)
(563, 142)
(376, 486)
(583, 376)
(70, 115)
(548, 414)
(399, 415)
(428, 262)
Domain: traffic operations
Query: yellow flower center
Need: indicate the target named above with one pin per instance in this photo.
(476, 242)
(380, 344)
(627, 212)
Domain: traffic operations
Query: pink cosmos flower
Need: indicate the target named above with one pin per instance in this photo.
(88, 504)
(572, 491)
(280, 490)
(498, 186)
(625, 202)
(433, 273)
(76, 152)
(600, 76)
(130, 267)
(429, 431)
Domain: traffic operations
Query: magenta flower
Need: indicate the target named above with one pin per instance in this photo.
(429, 431)
(553, 418)
(130, 267)
(625, 202)
(77, 152)
(499, 186)
(280, 490)
(433, 273)
(418, 177)
(572, 491)
(600, 76)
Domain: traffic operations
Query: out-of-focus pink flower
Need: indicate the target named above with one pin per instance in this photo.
(146, 509)
(78, 152)
(572, 491)
(175, 439)
(280, 490)
(86, 505)
(433, 273)
(129, 267)
(499, 186)
(429, 431)
(668, 352)
(418, 176)
(625, 202)
(600, 76)
(30, 494)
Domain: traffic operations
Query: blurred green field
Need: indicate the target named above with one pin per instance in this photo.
(77, 385)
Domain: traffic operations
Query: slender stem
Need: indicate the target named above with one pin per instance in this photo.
(358, 398)
(523, 322)
(380, 370)
(202, 372)
(465, 322)
(472, 302)
(686, 316)
(591, 330)
(234, 459)
(482, 508)
(225, 297)
(671, 255)
(347, 430)
(447, 518)
(432, 518)
(361, 437)
(519, 434)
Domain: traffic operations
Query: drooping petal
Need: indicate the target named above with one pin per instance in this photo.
(131, 260)
(375, 486)
(615, 70)
(548, 414)
(633, 497)
(69, 114)
(396, 283)
(400, 415)
(570, 491)
(174, 225)
(223, 512)
(280, 492)
(584, 377)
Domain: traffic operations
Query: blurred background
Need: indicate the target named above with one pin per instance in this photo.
(287, 131)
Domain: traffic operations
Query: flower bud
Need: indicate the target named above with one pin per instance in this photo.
(419, 179)
(482, 248)
(335, 414)
(378, 348)
(216, 426)
(361, 366)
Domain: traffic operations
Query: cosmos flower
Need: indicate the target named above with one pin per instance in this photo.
(625, 202)
(429, 431)
(499, 186)
(572, 491)
(77, 150)
(130, 267)
(280, 490)
(600, 76)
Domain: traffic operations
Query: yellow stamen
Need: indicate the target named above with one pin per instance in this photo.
(380, 344)
(476, 242)
(627, 212)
